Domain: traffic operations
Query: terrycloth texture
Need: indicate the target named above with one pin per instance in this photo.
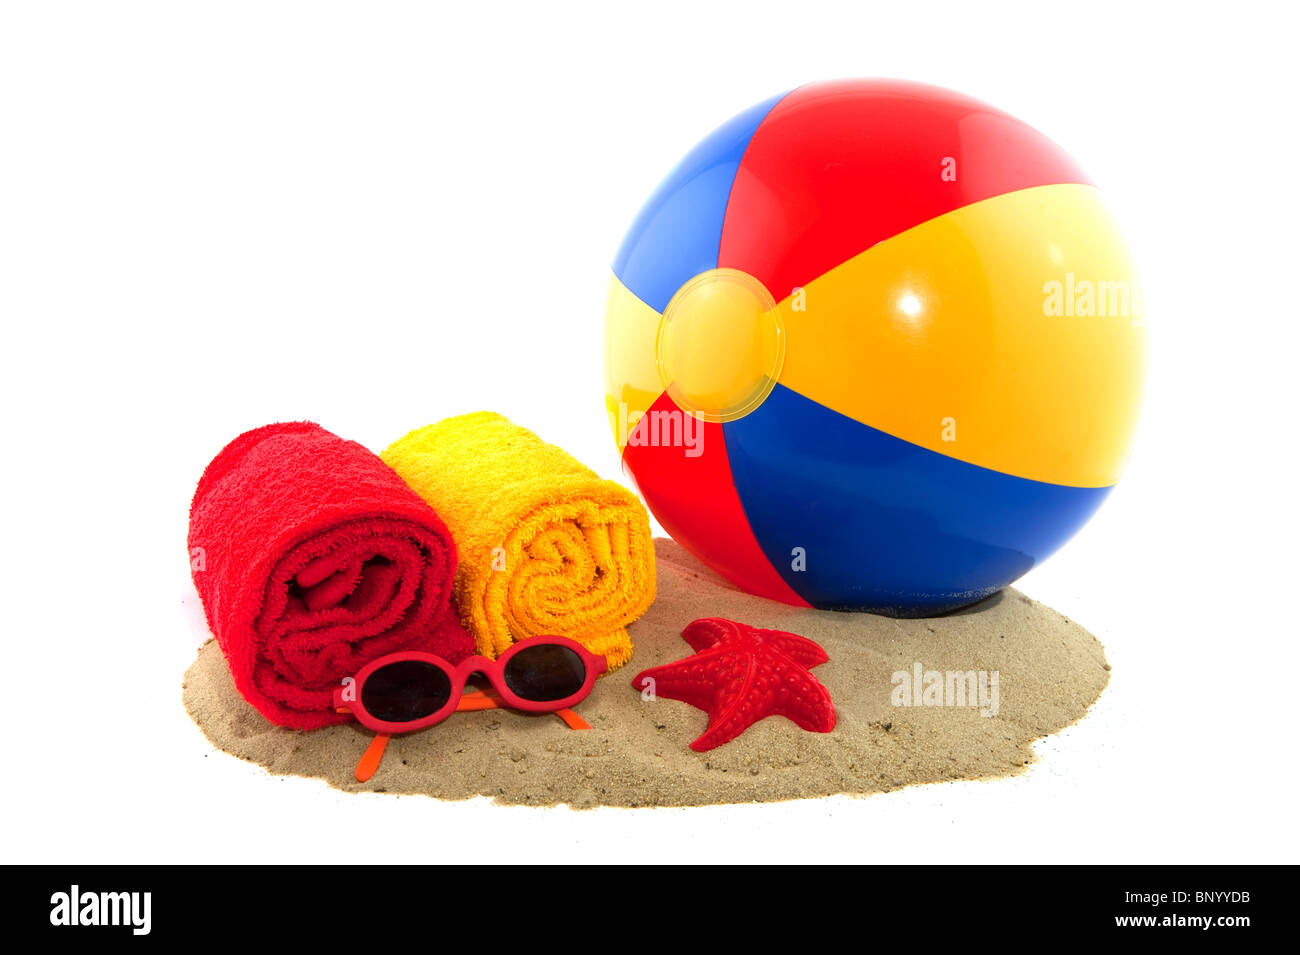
(546, 545)
(313, 558)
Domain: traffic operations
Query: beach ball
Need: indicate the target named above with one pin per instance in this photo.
(873, 345)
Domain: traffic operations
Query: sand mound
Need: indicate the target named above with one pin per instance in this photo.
(1048, 672)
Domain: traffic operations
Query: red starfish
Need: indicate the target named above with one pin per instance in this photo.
(739, 675)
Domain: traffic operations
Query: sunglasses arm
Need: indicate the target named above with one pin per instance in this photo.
(477, 700)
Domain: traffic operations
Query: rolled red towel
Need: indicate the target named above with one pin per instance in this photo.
(313, 557)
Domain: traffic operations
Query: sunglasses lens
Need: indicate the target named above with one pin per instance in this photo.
(406, 691)
(545, 672)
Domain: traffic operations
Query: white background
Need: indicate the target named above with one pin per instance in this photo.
(376, 215)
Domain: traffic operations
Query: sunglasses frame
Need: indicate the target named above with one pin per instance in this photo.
(459, 674)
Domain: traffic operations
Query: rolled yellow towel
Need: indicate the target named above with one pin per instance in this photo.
(546, 545)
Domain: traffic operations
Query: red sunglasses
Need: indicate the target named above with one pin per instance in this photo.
(410, 691)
